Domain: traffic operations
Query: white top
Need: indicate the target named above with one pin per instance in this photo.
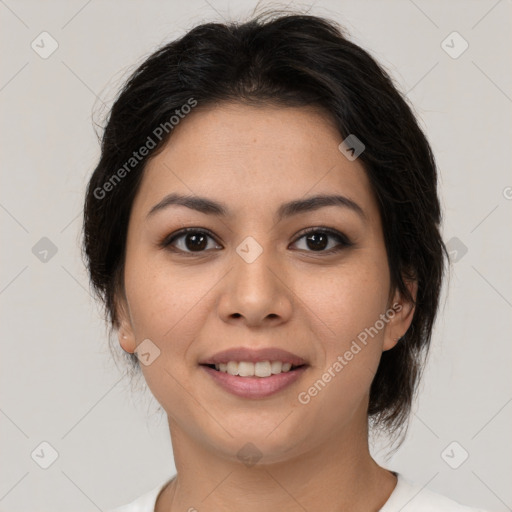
(406, 497)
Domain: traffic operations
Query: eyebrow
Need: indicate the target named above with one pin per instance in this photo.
(210, 207)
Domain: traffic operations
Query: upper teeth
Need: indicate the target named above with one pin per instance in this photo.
(259, 369)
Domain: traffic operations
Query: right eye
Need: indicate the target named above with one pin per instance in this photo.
(188, 241)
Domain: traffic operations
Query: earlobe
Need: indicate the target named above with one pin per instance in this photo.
(126, 341)
(125, 332)
(401, 318)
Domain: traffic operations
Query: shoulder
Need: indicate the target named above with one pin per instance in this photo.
(144, 503)
(411, 497)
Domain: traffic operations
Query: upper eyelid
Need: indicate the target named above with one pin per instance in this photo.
(184, 231)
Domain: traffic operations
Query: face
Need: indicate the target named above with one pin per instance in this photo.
(311, 280)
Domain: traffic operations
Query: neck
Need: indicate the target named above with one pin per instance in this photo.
(339, 472)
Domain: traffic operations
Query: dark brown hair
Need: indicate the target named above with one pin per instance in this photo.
(285, 60)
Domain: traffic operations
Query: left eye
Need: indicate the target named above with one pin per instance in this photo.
(317, 240)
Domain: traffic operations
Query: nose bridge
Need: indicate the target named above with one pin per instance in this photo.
(256, 287)
(253, 264)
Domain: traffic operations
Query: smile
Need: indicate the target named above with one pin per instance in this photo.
(260, 369)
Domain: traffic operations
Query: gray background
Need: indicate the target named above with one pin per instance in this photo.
(58, 381)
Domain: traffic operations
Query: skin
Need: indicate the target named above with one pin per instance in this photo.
(315, 456)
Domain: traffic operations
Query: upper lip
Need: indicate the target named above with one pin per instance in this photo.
(254, 356)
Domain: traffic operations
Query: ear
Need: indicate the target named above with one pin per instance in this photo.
(125, 332)
(400, 314)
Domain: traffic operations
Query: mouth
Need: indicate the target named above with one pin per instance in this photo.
(254, 373)
(247, 385)
(262, 370)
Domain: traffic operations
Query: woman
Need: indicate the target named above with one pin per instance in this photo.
(263, 229)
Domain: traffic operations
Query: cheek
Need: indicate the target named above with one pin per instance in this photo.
(167, 306)
(349, 303)
(162, 297)
(347, 299)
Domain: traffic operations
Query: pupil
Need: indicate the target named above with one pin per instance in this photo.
(314, 242)
(198, 242)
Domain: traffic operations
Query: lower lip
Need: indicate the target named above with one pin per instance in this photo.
(255, 387)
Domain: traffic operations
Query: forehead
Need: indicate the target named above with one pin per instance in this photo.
(254, 157)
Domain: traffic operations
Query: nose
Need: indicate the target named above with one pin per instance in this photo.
(256, 293)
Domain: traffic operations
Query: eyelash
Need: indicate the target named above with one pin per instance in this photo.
(342, 239)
